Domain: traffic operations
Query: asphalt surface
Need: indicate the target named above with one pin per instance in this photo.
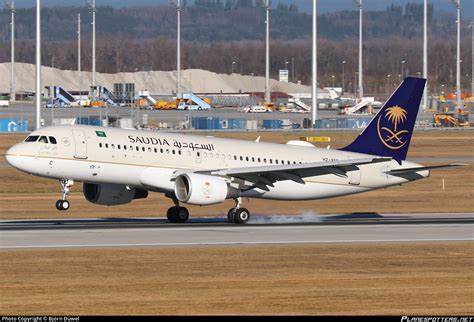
(284, 230)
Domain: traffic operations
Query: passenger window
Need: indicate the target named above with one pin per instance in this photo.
(198, 154)
(156, 150)
(100, 145)
(125, 147)
(52, 140)
(276, 161)
(107, 145)
(161, 150)
(241, 158)
(149, 149)
(137, 148)
(32, 138)
(179, 152)
(112, 146)
(259, 160)
(173, 151)
(118, 146)
(253, 159)
(143, 148)
(43, 139)
(264, 160)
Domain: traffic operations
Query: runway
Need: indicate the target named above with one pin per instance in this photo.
(282, 230)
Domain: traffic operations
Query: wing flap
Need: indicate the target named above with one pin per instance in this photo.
(301, 169)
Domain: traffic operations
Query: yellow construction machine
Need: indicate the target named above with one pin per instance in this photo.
(451, 119)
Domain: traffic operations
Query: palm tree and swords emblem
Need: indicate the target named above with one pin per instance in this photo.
(393, 138)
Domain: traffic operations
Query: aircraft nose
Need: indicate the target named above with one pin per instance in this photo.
(12, 156)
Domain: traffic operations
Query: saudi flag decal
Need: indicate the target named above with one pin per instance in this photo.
(100, 134)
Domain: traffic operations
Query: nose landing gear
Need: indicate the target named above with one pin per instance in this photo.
(63, 204)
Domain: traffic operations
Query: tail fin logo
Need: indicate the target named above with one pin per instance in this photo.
(388, 127)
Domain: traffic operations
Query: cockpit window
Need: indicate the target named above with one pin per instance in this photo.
(43, 139)
(52, 140)
(32, 138)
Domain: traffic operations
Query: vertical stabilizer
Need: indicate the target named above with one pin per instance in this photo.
(389, 133)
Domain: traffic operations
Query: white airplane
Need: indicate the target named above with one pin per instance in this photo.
(117, 166)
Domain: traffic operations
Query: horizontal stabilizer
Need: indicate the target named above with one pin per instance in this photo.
(411, 170)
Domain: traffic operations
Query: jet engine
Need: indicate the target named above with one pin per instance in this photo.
(112, 194)
(199, 189)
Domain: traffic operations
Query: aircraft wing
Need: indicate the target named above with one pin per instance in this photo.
(412, 170)
(264, 176)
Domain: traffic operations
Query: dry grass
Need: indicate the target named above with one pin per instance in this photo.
(395, 279)
(26, 196)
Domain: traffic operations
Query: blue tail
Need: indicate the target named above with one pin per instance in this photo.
(389, 132)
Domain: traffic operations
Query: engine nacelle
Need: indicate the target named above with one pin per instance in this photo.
(112, 194)
(200, 189)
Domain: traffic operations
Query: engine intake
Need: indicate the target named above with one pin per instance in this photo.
(111, 194)
(200, 189)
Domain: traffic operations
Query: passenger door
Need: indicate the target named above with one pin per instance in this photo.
(80, 144)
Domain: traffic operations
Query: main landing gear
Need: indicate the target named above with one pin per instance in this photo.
(238, 215)
(176, 214)
(66, 185)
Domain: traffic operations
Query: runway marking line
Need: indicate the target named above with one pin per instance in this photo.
(240, 243)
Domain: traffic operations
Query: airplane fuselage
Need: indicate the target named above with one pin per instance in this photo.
(149, 160)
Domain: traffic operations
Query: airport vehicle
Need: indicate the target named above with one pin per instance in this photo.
(190, 101)
(4, 100)
(117, 166)
(104, 94)
(451, 119)
(257, 109)
(59, 97)
(299, 105)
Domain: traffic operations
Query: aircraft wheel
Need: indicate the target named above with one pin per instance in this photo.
(241, 216)
(177, 214)
(230, 216)
(65, 205)
(62, 205)
(182, 214)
